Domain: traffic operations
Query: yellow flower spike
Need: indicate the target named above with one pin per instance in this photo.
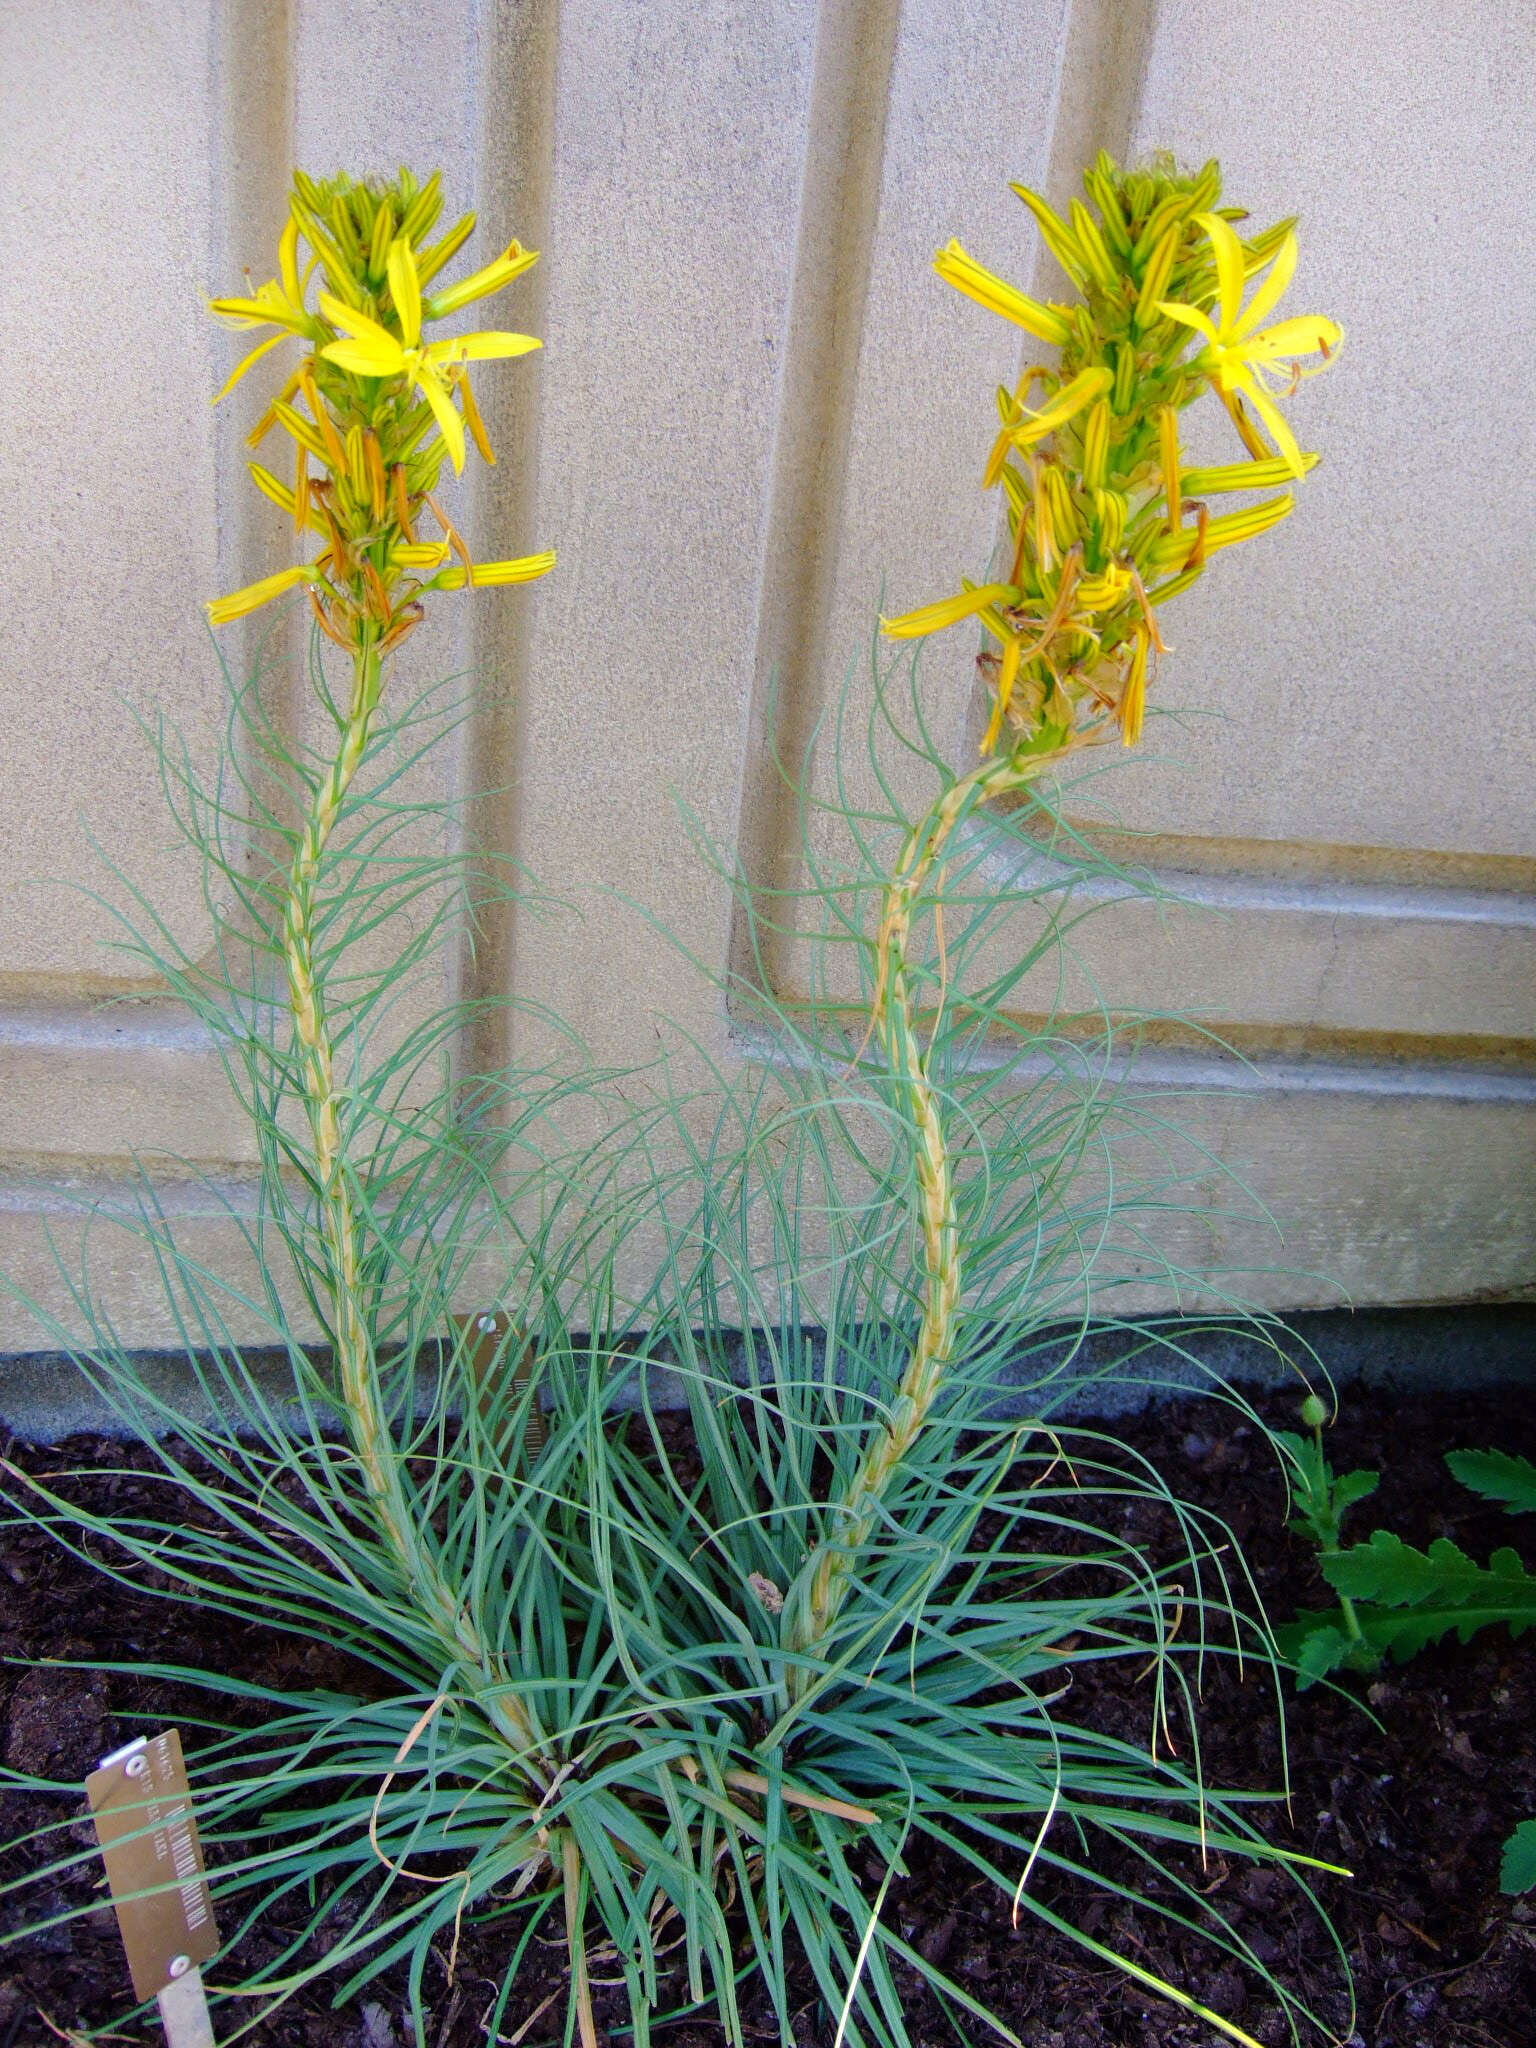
(978, 283)
(1238, 351)
(1099, 509)
(373, 443)
(1133, 698)
(1068, 402)
(221, 610)
(480, 284)
(948, 611)
(1007, 676)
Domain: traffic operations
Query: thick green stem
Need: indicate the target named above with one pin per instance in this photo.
(362, 1399)
(854, 1513)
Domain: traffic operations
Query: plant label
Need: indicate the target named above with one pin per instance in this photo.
(142, 1807)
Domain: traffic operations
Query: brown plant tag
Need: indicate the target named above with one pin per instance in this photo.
(142, 1805)
(488, 1337)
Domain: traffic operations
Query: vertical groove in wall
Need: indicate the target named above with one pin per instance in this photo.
(1100, 76)
(251, 93)
(516, 121)
(839, 204)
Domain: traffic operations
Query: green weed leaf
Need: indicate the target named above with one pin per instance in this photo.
(1517, 1870)
(1497, 1475)
(1442, 1585)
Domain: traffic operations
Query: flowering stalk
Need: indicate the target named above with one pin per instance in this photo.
(1104, 526)
(379, 416)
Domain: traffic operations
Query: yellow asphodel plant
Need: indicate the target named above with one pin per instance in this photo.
(371, 412)
(1104, 524)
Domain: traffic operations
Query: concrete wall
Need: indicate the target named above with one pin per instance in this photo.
(755, 404)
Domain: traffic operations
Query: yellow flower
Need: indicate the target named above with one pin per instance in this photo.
(486, 575)
(1069, 401)
(274, 304)
(1239, 354)
(968, 276)
(371, 351)
(933, 618)
(222, 609)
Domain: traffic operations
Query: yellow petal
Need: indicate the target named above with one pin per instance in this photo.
(288, 260)
(267, 309)
(486, 575)
(513, 261)
(480, 348)
(1159, 269)
(1133, 698)
(1187, 316)
(1007, 676)
(978, 283)
(1083, 389)
(948, 611)
(270, 487)
(245, 363)
(306, 435)
(1269, 292)
(405, 289)
(1241, 476)
(1307, 335)
(1279, 430)
(370, 351)
(1056, 235)
(1233, 527)
(435, 392)
(1228, 252)
(222, 609)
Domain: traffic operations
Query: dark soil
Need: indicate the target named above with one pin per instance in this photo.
(1413, 1780)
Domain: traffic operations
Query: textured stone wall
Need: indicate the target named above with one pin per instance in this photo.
(755, 406)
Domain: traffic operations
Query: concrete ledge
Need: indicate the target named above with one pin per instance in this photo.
(43, 1397)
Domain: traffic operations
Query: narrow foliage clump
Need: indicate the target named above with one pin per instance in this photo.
(677, 1695)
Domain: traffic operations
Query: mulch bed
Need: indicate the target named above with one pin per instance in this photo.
(1413, 1780)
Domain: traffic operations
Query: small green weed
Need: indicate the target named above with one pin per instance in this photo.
(1393, 1599)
